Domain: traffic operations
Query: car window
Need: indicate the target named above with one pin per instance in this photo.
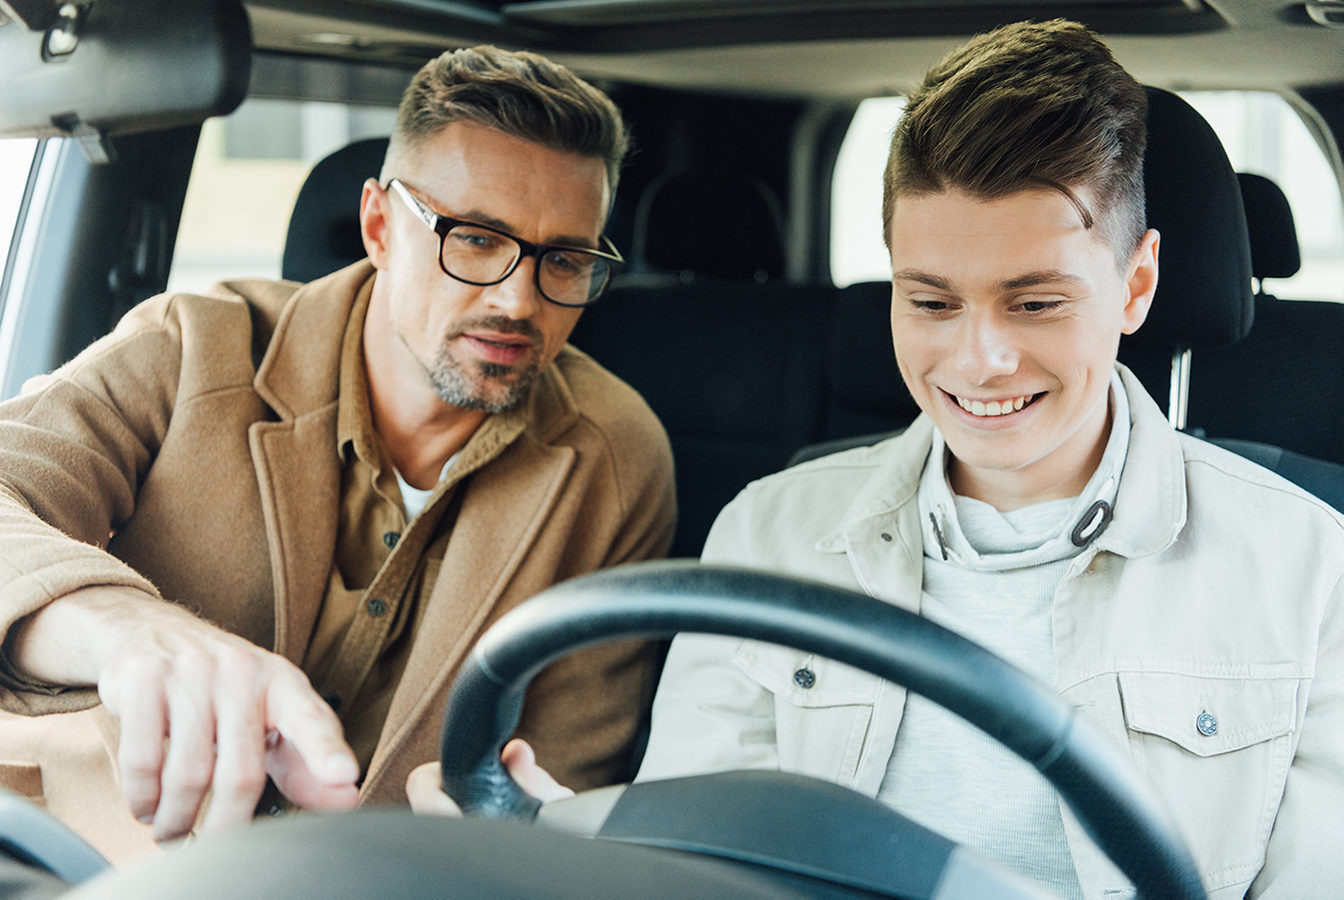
(1261, 132)
(16, 156)
(248, 170)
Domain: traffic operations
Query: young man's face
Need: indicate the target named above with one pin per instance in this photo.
(1006, 316)
(476, 347)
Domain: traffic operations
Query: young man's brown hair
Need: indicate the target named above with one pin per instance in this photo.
(1028, 105)
(518, 93)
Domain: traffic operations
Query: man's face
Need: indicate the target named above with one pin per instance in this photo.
(475, 347)
(1006, 316)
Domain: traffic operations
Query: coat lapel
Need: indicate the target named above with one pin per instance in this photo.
(506, 506)
(296, 459)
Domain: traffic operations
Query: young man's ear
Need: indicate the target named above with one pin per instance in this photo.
(1141, 282)
(374, 227)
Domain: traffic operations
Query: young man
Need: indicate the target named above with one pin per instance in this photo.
(1187, 601)
(263, 526)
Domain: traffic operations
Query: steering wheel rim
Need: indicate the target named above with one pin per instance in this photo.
(1119, 810)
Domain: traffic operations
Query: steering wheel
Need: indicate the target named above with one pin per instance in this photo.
(1119, 810)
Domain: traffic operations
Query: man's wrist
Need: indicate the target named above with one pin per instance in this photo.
(68, 641)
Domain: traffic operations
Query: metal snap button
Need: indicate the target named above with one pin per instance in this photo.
(376, 607)
(804, 678)
(1207, 724)
(390, 538)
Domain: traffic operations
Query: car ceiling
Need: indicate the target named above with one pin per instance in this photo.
(815, 48)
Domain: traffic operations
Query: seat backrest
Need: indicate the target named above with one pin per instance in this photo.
(1203, 298)
(323, 233)
(1283, 385)
(711, 223)
(734, 370)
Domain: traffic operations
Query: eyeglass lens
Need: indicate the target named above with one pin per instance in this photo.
(480, 255)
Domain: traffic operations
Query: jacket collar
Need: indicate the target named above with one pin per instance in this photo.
(1150, 506)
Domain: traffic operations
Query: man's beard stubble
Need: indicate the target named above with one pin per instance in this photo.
(482, 389)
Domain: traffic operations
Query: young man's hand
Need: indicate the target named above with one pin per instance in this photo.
(427, 797)
(203, 712)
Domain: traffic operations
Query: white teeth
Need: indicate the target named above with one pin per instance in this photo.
(993, 407)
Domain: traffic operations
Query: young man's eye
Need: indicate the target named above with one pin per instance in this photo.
(931, 306)
(1040, 306)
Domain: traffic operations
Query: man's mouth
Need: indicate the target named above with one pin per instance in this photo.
(1002, 407)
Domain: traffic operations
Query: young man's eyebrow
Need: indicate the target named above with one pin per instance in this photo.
(933, 281)
(1043, 276)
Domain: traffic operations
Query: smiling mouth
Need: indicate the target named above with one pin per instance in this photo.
(987, 409)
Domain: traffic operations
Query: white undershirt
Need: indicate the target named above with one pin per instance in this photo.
(997, 588)
(414, 500)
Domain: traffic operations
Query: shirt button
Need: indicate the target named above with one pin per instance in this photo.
(1207, 724)
(886, 536)
(275, 810)
(391, 537)
(804, 678)
(376, 607)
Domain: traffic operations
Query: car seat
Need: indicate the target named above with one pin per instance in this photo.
(323, 233)
(1283, 384)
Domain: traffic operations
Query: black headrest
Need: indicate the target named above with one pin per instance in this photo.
(709, 222)
(1274, 250)
(1204, 287)
(323, 231)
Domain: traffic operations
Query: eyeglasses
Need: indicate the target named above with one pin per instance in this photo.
(481, 255)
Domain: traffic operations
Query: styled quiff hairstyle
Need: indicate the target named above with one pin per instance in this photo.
(1028, 106)
(519, 93)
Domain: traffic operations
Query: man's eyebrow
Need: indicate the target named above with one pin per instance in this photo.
(1043, 276)
(933, 281)
(559, 240)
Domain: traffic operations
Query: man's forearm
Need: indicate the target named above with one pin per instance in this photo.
(68, 641)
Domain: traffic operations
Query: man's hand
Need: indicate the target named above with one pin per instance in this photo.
(202, 711)
(427, 797)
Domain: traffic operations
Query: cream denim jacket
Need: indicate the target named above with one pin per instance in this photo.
(1216, 589)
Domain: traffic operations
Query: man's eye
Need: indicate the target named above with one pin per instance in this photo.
(474, 238)
(570, 265)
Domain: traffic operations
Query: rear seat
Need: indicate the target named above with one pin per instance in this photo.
(729, 355)
(1283, 384)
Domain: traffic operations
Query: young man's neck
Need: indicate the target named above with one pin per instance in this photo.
(1044, 480)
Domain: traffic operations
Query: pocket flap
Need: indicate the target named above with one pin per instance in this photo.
(1207, 716)
(804, 679)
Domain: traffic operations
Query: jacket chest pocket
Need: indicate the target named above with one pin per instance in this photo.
(822, 708)
(1218, 750)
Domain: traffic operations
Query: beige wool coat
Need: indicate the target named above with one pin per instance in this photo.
(192, 454)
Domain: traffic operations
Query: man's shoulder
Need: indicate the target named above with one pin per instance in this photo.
(606, 403)
(1219, 480)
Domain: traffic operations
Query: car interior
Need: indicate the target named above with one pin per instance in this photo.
(729, 317)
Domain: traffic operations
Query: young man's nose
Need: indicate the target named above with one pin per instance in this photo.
(986, 349)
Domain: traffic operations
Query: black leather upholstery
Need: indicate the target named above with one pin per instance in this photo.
(323, 231)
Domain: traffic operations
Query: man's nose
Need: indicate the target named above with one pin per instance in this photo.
(986, 349)
(517, 296)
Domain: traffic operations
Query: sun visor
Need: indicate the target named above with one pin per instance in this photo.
(111, 67)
